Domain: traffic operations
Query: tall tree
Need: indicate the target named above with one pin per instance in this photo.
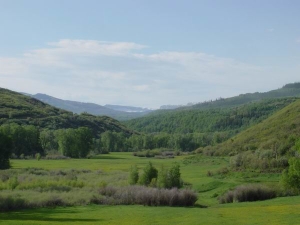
(5, 151)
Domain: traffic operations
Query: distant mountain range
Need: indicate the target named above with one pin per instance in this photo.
(129, 109)
(115, 111)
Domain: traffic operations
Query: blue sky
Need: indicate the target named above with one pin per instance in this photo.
(148, 53)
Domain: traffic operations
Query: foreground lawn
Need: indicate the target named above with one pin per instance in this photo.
(276, 212)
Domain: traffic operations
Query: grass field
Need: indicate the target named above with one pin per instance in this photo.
(194, 171)
(274, 212)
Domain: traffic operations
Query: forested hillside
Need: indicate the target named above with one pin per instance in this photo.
(288, 90)
(231, 119)
(24, 110)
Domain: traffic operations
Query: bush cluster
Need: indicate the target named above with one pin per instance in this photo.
(263, 160)
(142, 195)
(248, 193)
(164, 178)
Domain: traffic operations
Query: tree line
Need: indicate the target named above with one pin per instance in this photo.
(27, 140)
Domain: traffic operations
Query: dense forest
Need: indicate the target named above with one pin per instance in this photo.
(230, 120)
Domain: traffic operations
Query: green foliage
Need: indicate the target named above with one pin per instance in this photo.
(169, 178)
(75, 143)
(24, 110)
(291, 176)
(25, 139)
(133, 175)
(149, 173)
(38, 156)
(5, 151)
(261, 160)
(278, 133)
(230, 119)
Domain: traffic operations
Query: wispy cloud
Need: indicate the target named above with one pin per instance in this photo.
(270, 30)
(122, 73)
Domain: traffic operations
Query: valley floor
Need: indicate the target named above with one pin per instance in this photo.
(275, 212)
(194, 170)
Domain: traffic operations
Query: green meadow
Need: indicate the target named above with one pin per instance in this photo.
(208, 176)
(276, 212)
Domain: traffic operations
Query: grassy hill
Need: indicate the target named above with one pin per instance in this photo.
(278, 132)
(21, 109)
(91, 108)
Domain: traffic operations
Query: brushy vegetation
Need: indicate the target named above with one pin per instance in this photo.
(291, 176)
(33, 188)
(142, 195)
(248, 193)
(264, 161)
(163, 178)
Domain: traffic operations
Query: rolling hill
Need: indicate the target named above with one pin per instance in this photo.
(236, 113)
(22, 109)
(278, 132)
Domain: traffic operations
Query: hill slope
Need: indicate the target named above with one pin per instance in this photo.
(288, 90)
(223, 114)
(278, 132)
(91, 108)
(21, 109)
(210, 120)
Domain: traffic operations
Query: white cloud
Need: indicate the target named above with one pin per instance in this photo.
(121, 73)
(298, 40)
(270, 30)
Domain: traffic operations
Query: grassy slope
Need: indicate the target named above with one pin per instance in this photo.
(194, 169)
(275, 129)
(21, 109)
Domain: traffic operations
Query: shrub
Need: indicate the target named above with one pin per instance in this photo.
(10, 203)
(38, 156)
(291, 176)
(133, 175)
(248, 193)
(141, 195)
(150, 172)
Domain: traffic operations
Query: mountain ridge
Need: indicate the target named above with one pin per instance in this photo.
(25, 110)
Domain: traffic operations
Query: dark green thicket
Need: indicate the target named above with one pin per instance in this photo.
(248, 193)
(5, 151)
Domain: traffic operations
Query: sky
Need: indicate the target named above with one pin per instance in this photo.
(148, 53)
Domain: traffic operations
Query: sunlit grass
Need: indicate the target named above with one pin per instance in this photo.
(276, 212)
(115, 168)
